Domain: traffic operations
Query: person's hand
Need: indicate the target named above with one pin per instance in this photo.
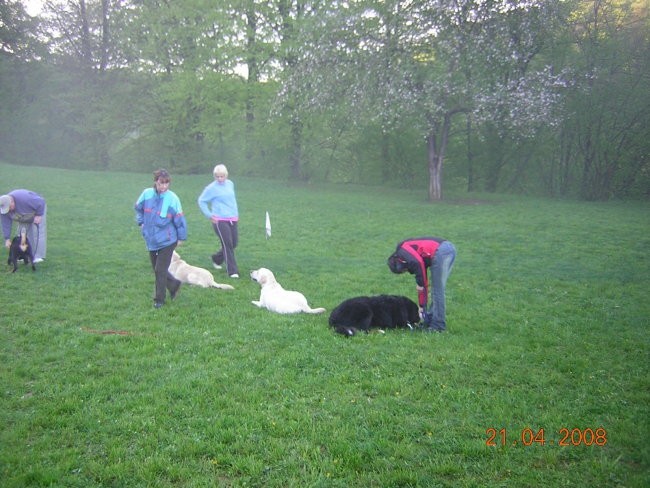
(8, 243)
(214, 219)
(38, 219)
(419, 288)
(179, 243)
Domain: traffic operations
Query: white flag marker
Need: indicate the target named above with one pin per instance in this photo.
(268, 225)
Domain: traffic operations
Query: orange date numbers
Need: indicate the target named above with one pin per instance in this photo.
(530, 437)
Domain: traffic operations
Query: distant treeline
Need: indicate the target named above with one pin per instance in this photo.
(548, 97)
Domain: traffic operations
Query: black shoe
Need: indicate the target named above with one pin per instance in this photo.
(430, 328)
(174, 291)
(434, 329)
(157, 304)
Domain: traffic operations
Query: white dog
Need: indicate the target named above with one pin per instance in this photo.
(193, 275)
(276, 299)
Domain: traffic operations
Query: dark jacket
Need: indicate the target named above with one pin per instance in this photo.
(416, 255)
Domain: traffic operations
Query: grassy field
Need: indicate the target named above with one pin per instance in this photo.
(548, 316)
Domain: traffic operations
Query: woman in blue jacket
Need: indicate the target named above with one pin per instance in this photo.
(160, 216)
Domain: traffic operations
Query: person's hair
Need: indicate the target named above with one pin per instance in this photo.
(396, 264)
(220, 169)
(161, 174)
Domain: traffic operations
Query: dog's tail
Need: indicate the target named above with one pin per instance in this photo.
(222, 286)
(315, 310)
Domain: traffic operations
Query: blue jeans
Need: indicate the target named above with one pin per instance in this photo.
(441, 265)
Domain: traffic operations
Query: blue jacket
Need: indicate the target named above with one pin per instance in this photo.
(218, 200)
(161, 218)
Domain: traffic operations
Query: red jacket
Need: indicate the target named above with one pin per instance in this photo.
(418, 254)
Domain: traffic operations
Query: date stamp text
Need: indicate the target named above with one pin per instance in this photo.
(529, 437)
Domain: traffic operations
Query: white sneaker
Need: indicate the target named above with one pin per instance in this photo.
(217, 266)
(234, 275)
(38, 260)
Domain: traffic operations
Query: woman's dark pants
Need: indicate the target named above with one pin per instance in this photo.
(160, 261)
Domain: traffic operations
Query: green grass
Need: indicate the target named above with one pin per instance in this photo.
(548, 315)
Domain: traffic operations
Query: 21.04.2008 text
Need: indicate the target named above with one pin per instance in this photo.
(567, 437)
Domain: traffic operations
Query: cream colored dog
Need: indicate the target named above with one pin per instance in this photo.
(276, 299)
(193, 275)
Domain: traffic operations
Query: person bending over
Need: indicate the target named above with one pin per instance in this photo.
(417, 256)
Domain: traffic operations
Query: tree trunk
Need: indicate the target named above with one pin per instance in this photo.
(471, 186)
(86, 49)
(296, 147)
(435, 169)
(436, 147)
(252, 80)
(106, 37)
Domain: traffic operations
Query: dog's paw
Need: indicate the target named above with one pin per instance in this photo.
(345, 331)
(256, 303)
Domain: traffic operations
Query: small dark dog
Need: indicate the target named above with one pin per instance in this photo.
(377, 312)
(21, 249)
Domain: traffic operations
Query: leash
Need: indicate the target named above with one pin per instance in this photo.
(106, 331)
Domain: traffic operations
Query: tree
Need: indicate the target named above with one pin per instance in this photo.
(21, 49)
(426, 62)
(19, 33)
(609, 109)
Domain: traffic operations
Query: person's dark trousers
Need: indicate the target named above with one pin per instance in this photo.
(160, 261)
(229, 237)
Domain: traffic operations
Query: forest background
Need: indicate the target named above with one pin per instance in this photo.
(549, 97)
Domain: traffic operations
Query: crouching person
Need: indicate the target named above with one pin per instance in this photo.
(27, 209)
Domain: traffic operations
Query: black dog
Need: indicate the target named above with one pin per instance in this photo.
(21, 249)
(377, 312)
